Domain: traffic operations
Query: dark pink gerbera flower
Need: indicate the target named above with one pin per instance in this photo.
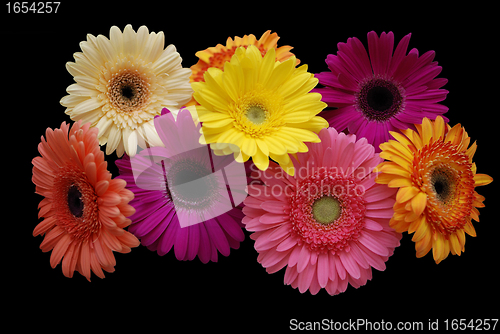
(380, 91)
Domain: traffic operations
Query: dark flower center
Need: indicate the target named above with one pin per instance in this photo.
(379, 100)
(128, 92)
(75, 203)
(442, 184)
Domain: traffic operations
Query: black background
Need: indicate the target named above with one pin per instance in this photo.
(160, 293)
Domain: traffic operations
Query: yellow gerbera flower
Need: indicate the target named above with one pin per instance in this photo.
(122, 83)
(261, 106)
(218, 55)
(434, 170)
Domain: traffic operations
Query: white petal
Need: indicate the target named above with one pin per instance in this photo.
(142, 39)
(167, 63)
(76, 89)
(158, 42)
(116, 39)
(106, 48)
(86, 106)
(132, 143)
(70, 101)
(114, 139)
(129, 41)
(104, 126)
(92, 54)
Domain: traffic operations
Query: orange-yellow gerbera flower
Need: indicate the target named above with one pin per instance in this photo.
(218, 55)
(434, 170)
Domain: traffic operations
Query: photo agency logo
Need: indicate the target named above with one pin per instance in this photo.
(200, 184)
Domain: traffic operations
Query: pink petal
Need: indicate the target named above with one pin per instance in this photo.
(371, 242)
(304, 257)
(349, 264)
(274, 206)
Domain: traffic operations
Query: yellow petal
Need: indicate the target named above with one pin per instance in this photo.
(249, 146)
(418, 203)
(469, 229)
(482, 180)
(406, 193)
(392, 168)
(424, 245)
(438, 128)
(426, 131)
(260, 160)
(438, 248)
(455, 246)
(399, 182)
(421, 229)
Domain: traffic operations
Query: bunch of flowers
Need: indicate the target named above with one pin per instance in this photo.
(327, 178)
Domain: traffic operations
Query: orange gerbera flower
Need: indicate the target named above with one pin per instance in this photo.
(218, 55)
(84, 209)
(434, 170)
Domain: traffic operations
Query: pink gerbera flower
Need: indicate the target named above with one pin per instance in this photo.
(329, 223)
(380, 91)
(181, 192)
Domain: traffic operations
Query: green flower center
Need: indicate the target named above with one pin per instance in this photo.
(326, 210)
(256, 114)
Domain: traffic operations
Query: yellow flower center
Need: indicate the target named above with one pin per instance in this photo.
(258, 112)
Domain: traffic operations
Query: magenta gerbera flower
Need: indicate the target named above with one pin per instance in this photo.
(185, 197)
(329, 223)
(380, 91)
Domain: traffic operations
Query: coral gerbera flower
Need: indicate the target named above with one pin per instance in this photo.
(220, 54)
(84, 209)
(122, 83)
(260, 106)
(436, 200)
(383, 91)
(328, 224)
(180, 201)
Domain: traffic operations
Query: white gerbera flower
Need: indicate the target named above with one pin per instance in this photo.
(122, 83)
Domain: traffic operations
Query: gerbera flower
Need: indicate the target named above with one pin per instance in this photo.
(217, 56)
(436, 200)
(383, 91)
(181, 201)
(328, 224)
(122, 83)
(84, 209)
(260, 106)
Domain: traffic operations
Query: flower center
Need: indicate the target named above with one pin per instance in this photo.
(191, 184)
(128, 90)
(256, 114)
(379, 99)
(443, 184)
(75, 203)
(326, 210)
(445, 174)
